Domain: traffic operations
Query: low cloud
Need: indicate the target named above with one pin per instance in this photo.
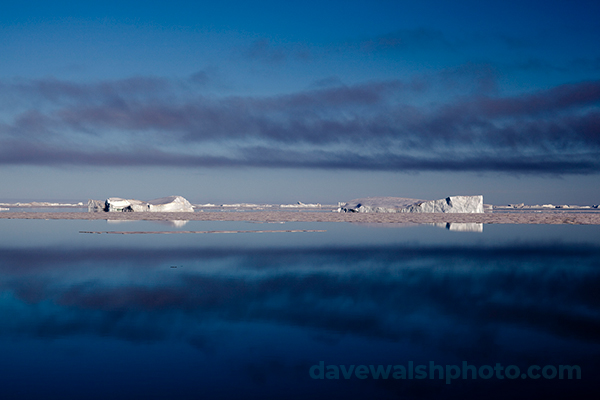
(381, 125)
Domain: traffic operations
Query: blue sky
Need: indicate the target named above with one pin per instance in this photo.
(312, 101)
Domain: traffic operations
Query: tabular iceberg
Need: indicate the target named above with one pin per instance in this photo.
(452, 204)
(164, 204)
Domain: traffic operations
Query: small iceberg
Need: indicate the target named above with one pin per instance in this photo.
(164, 204)
(452, 204)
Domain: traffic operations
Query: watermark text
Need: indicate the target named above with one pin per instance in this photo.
(448, 372)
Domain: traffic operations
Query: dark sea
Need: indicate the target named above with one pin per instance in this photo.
(355, 312)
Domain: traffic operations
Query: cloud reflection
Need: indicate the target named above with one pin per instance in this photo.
(392, 293)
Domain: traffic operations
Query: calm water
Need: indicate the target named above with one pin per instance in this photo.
(254, 315)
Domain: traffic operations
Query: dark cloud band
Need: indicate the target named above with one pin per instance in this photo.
(371, 126)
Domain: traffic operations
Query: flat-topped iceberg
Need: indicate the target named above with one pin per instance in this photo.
(164, 204)
(452, 204)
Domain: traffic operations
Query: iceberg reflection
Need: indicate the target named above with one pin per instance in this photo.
(461, 226)
(352, 305)
(173, 223)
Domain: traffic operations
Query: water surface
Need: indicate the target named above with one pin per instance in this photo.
(248, 315)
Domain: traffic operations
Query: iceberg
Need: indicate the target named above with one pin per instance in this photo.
(170, 204)
(452, 204)
(113, 204)
(164, 204)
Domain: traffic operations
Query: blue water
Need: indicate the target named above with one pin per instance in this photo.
(250, 315)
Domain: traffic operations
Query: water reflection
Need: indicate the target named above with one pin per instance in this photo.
(517, 304)
(174, 223)
(461, 226)
(371, 292)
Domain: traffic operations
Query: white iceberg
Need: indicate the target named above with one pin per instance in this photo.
(113, 204)
(170, 204)
(452, 204)
(164, 204)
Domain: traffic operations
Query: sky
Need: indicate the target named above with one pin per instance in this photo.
(313, 101)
